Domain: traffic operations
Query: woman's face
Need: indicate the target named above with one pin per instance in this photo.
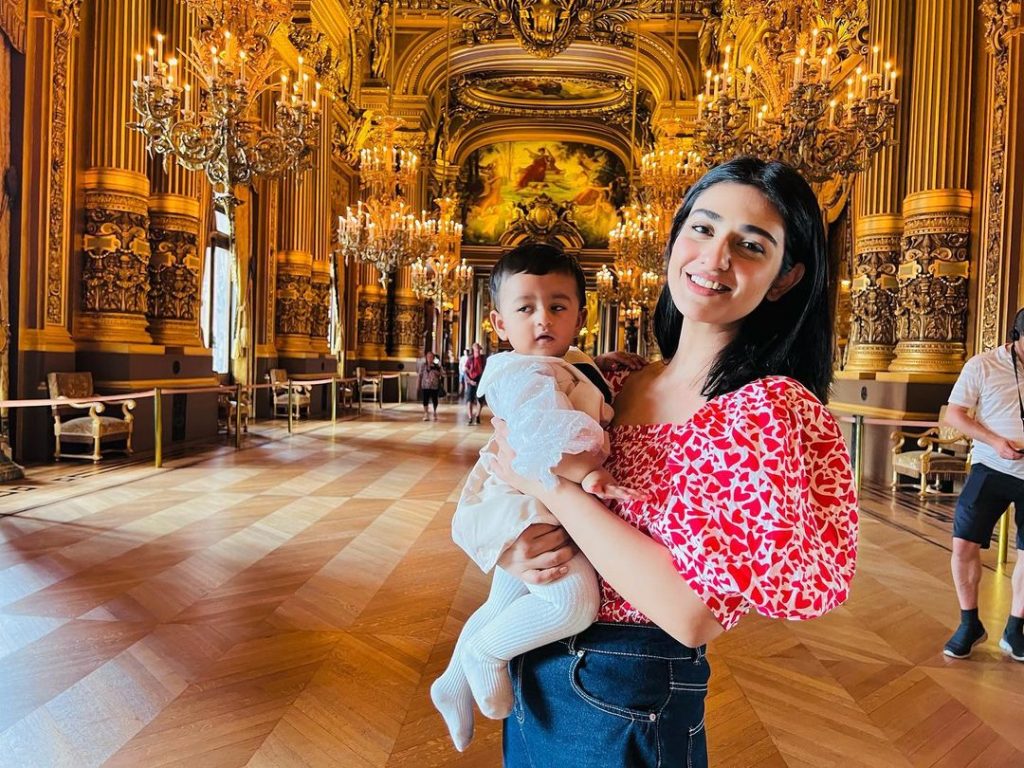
(727, 256)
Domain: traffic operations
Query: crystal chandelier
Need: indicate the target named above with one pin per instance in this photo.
(383, 231)
(813, 97)
(667, 171)
(636, 241)
(441, 274)
(665, 174)
(217, 129)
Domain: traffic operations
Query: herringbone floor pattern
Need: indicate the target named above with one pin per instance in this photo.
(289, 605)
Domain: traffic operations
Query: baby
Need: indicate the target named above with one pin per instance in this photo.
(555, 410)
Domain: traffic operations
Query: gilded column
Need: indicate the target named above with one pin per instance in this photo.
(371, 314)
(409, 322)
(878, 224)
(294, 294)
(931, 318)
(115, 263)
(320, 277)
(174, 217)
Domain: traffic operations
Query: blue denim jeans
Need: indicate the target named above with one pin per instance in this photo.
(614, 696)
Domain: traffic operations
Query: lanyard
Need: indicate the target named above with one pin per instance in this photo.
(1016, 379)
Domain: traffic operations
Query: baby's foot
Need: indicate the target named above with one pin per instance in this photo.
(454, 700)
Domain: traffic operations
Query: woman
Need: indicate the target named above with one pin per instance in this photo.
(430, 378)
(474, 370)
(751, 501)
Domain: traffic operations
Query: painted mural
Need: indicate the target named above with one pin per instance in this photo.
(498, 176)
(555, 89)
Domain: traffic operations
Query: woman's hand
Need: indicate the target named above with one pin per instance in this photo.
(616, 361)
(539, 555)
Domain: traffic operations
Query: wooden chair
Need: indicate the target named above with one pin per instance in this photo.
(92, 429)
(278, 378)
(945, 453)
(227, 406)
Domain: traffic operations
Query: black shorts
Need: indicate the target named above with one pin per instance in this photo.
(471, 396)
(986, 495)
(429, 397)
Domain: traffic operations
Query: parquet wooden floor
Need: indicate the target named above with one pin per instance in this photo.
(289, 605)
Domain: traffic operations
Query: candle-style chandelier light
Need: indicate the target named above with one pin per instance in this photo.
(214, 126)
(808, 93)
(671, 168)
(637, 241)
(666, 172)
(442, 274)
(384, 231)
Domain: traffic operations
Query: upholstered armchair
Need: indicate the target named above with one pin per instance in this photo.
(945, 452)
(369, 387)
(94, 428)
(278, 378)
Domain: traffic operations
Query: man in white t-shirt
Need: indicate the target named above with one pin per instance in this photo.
(990, 385)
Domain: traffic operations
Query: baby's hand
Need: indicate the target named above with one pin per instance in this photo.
(600, 483)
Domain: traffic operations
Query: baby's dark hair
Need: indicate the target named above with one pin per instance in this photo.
(538, 259)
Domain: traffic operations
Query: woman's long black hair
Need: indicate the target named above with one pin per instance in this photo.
(791, 336)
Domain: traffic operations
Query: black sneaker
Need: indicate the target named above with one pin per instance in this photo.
(1013, 645)
(960, 645)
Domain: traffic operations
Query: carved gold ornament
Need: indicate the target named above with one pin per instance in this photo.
(545, 28)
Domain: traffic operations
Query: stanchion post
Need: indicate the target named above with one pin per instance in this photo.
(334, 399)
(290, 406)
(1004, 535)
(158, 428)
(238, 416)
(858, 447)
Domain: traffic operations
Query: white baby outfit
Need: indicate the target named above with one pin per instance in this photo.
(551, 408)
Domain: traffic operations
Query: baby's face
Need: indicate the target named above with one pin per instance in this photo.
(539, 314)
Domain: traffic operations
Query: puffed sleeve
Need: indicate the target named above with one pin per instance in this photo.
(542, 423)
(763, 511)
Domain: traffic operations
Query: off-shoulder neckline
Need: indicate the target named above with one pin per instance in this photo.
(715, 402)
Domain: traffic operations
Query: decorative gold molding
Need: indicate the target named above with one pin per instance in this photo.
(67, 16)
(1000, 16)
(547, 29)
(130, 184)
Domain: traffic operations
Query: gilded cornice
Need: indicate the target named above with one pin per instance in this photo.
(422, 70)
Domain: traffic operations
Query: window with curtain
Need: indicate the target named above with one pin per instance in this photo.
(218, 300)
